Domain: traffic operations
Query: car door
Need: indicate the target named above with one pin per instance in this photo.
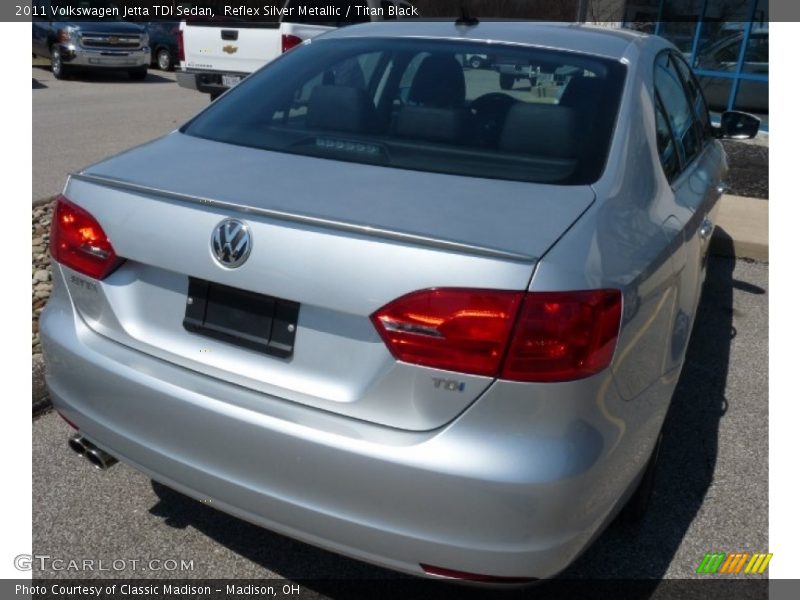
(695, 165)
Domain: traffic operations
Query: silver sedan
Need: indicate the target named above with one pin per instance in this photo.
(373, 300)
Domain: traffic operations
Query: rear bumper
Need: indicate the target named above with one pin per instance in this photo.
(517, 486)
(207, 82)
(186, 80)
(74, 55)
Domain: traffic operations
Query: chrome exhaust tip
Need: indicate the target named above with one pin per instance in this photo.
(100, 458)
(78, 444)
(83, 447)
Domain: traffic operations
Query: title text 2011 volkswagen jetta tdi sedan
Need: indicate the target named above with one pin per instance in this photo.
(374, 301)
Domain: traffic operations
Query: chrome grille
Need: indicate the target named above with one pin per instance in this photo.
(103, 40)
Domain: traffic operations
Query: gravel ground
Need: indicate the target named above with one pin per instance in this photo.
(41, 283)
(749, 168)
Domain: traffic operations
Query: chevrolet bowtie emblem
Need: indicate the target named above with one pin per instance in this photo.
(230, 49)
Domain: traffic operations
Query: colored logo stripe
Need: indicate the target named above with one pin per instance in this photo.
(734, 562)
(758, 564)
(720, 562)
(711, 562)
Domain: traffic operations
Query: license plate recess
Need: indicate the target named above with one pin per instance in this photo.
(240, 317)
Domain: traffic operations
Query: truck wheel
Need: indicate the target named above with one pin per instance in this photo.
(138, 74)
(164, 60)
(506, 81)
(475, 62)
(57, 67)
(213, 96)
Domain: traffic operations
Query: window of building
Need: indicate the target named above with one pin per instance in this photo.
(724, 42)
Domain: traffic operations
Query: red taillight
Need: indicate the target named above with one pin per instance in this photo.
(455, 329)
(181, 51)
(78, 242)
(289, 41)
(538, 336)
(560, 336)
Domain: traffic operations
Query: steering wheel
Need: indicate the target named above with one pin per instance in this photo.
(488, 114)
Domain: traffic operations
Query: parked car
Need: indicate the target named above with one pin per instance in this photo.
(477, 61)
(164, 43)
(218, 53)
(107, 44)
(436, 329)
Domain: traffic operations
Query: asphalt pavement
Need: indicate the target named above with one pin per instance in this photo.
(711, 491)
(79, 121)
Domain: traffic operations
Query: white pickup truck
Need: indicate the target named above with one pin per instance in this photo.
(217, 54)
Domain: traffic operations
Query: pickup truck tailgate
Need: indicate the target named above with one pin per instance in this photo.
(237, 47)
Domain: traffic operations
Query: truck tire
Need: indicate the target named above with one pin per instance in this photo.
(57, 66)
(507, 81)
(138, 74)
(164, 59)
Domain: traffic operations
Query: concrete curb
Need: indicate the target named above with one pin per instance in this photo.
(742, 228)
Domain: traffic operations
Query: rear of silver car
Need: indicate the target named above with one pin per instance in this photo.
(345, 421)
(342, 445)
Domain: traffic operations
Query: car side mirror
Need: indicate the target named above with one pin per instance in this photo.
(737, 125)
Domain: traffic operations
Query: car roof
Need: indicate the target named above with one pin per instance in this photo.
(609, 42)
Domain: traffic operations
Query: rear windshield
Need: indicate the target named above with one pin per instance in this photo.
(471, 109)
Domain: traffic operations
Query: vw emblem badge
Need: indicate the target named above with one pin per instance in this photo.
(231, 243)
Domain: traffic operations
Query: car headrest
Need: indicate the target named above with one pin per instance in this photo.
(582, 91)
(443, 125)
(546, 130)
(340, 108)
(439, 82)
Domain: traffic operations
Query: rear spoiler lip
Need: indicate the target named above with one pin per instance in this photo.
(362, 229)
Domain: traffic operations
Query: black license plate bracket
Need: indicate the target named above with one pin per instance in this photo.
(242, 318)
